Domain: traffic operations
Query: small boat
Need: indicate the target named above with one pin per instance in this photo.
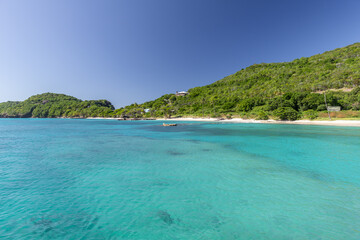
(169, 124)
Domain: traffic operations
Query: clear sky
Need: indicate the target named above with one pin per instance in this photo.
(137, 50)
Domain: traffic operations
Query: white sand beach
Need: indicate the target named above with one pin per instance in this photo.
(344, 123)
(348, 123)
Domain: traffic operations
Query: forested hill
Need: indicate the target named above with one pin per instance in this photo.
(331, 70)
(288, 90)
(50, 105)
(267, 87)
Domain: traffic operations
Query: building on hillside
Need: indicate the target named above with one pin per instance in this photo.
(182, 93)
(334, 108)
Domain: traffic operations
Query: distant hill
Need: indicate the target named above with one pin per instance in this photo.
(288, 90)
(51, 105)
(269, 86)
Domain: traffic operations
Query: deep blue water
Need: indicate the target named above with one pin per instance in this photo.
(108, 179)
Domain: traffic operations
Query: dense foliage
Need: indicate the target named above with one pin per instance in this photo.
(50, 105)
(285, 91)
(264, 90)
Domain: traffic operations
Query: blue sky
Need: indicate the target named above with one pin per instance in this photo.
(137, 50)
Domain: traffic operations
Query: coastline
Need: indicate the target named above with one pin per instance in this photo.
(342, 123)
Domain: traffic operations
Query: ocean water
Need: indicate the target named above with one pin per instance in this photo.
(108, 179)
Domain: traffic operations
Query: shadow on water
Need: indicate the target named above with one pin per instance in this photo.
(161, 183)
(281, 168)
(93, 223)
(45, 223)
(216, 222)
(193, 141)
(174, 153)
(206, 150)
(57, 226)
(165, 217)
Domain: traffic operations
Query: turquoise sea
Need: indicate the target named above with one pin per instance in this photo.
(108, 179)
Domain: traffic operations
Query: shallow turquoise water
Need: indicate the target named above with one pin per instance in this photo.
(105, 179)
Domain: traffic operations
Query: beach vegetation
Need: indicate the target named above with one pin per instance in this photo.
(286, 113)
(310, 114)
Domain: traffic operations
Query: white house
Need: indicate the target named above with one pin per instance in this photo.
(182, 93)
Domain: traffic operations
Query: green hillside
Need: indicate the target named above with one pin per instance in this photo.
(269, 89)
(50, 105)
(289, 90)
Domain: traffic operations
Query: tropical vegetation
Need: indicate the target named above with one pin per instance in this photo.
(286, 91)
(51, 105)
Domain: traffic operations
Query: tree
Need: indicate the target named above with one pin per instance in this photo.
(286, 113)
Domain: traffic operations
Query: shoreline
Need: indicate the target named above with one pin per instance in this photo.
(342, 123)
